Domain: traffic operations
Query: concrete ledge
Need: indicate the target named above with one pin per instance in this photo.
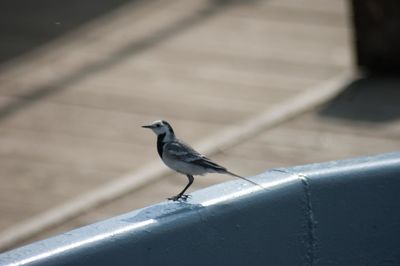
(335, 213)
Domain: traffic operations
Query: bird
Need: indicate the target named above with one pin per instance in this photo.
(182, 158)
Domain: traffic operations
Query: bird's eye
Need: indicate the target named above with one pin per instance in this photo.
(158, 125)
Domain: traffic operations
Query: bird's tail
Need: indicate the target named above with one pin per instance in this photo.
(241, 177)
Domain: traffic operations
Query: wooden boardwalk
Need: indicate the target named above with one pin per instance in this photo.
(70, 113)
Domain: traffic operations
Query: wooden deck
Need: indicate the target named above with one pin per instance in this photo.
(70, 113)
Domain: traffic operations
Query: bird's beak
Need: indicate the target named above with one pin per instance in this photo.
(147, 126)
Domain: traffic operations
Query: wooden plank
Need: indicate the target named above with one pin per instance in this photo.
(98, 94)
(29, 187)
(335, 145)
(315, 122)
(176, 59)
(311, 53)
(207, 108)
(96, 123)
(77, 153)
(152, 79)
(273, 11)
(160, 73)
(109, 38)
(254, 27)
(324, 6)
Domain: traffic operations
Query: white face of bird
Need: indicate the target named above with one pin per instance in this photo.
(160, 127)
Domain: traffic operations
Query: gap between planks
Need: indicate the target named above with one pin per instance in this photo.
(228, 137)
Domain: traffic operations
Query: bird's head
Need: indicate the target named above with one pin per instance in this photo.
(160, 127)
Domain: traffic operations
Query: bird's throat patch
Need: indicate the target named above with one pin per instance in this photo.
(160, 144)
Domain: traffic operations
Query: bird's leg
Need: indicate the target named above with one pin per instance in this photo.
(181, 194)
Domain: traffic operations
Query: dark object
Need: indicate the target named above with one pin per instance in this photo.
(334, 213)
(377, 35)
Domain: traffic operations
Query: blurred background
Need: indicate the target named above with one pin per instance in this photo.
(78, 79)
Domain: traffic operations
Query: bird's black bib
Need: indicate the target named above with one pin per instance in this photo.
(160, 144)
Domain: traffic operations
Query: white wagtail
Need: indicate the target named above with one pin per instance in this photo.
(182, 158)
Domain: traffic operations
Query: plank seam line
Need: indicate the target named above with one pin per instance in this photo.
(227, 137)
(310, 238)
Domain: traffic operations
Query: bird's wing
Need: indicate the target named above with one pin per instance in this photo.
(182, 151)
(179, 150)
(205, 162)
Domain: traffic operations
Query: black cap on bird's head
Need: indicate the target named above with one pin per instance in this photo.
(160, 127)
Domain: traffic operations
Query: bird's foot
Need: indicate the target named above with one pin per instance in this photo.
(183, 197)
